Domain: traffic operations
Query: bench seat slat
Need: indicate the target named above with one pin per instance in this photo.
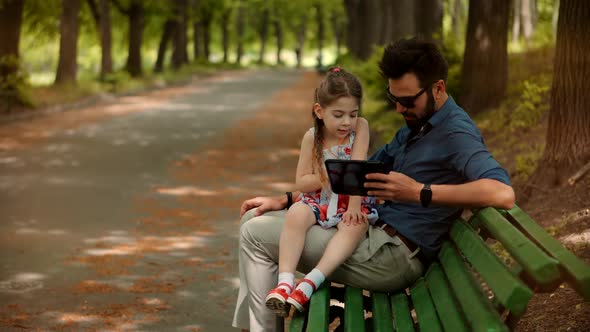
(400, 308)
(577, 270)
(297, 323)
(425, 311)
(480, 314)
(354, 315)
(382, 320)
(444, 300)
(538, 265)
(508, 290)
(319, 306)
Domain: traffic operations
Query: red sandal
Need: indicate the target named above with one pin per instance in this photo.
(298, 299)
(276, 300)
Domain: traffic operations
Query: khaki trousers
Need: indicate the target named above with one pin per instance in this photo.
(380, 263)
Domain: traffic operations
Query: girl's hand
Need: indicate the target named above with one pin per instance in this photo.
(354, 217)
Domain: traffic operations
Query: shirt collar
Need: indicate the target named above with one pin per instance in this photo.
(442, 113)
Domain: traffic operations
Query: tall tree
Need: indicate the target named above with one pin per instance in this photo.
(277, 24)
(11, 13)
(457, 18)
(485, 62)
(403, 19)
(197, 43)
(102, 17)
(428, 15)
(568, 134)
(240, 16)
(321, 34)
(263, 32)
(225, 17)
(135, 13)
(167, 34)
(179, 52)
(67, 66)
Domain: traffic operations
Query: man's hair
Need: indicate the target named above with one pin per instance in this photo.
(421, 57)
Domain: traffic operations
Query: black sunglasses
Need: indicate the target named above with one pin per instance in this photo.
(407, 102)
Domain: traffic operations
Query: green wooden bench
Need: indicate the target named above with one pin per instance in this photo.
(469, 287)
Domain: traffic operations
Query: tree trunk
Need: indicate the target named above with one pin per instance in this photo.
(240, 33)
(301, 31)
(568, 135)
(206, 36)
(353, 31)
(134, 64)
(428, 16)
(320, 23)
(225, 15)
(404, 24)
(11, 13)
(263, 33)
(485, 63)
(169, 27)
(106, 64)
(179, 53)
(516, 20)
(338, 29)
(554, 17)
(527, 23)
(68, 45)
(457, 19)
(387, 10)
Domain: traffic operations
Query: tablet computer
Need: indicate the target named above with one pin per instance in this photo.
(348, 176)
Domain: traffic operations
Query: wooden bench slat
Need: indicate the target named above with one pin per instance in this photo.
(319, 307)
(538, 265)
(382, 320)
(354, 315)
(297, 323)
(512, 293)
(577, 270)
(444, 300)
(425, 311)
(400, 308)
(479, 313)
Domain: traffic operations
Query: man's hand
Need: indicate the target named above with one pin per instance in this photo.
(263, 204)
(393, 187)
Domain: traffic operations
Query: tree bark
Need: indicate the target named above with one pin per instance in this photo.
(68, 45)
(106, 63)
(568, 134)
(240, 33)
(11, 13)
(527, 20)
(338, 29)
(320, 24)
(136, 15)
(516, 20)
(300, 35)
(263, 34)
(225, 15)
(457, 19)
(485, 62)
(206, 27)
(404, 24)
(428, 15)
(169, 27)
(179, 53)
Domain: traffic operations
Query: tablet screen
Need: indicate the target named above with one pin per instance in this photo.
(348, 176)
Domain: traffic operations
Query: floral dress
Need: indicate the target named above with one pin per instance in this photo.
(328, 206)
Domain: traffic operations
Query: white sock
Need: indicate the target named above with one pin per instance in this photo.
(317, 277)
(286, 278)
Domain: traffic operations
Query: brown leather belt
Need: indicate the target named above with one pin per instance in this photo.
(411, 245)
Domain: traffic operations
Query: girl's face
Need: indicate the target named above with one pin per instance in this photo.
(339, 117)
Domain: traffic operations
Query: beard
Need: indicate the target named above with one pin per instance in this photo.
(416, 123)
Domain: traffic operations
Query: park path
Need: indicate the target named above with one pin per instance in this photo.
(123, 216)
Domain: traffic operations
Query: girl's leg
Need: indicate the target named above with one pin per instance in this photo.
(340, 247)
(300, 218)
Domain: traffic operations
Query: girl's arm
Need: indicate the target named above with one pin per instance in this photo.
(360, 147)
(305, 180)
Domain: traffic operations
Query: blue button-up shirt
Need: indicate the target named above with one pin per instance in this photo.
(451, 152)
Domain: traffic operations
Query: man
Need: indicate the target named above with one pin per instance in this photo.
(437, 164)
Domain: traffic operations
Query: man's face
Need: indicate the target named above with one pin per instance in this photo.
(424, 106)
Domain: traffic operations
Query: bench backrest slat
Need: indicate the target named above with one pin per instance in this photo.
(508, 290)
(400, 308)
(537, 264)
(425, 310)
(479, 313)
(578, 272)
(448, 309)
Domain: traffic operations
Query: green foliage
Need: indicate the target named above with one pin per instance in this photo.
(527, 161)
(452, 51)
(531, 107)
(13, 86)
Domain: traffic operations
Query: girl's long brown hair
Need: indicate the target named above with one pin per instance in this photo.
(337, 83)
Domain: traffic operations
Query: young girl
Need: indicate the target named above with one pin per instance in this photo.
(338, 133)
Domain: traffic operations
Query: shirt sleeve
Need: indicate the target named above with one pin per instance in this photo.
(470, 157)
